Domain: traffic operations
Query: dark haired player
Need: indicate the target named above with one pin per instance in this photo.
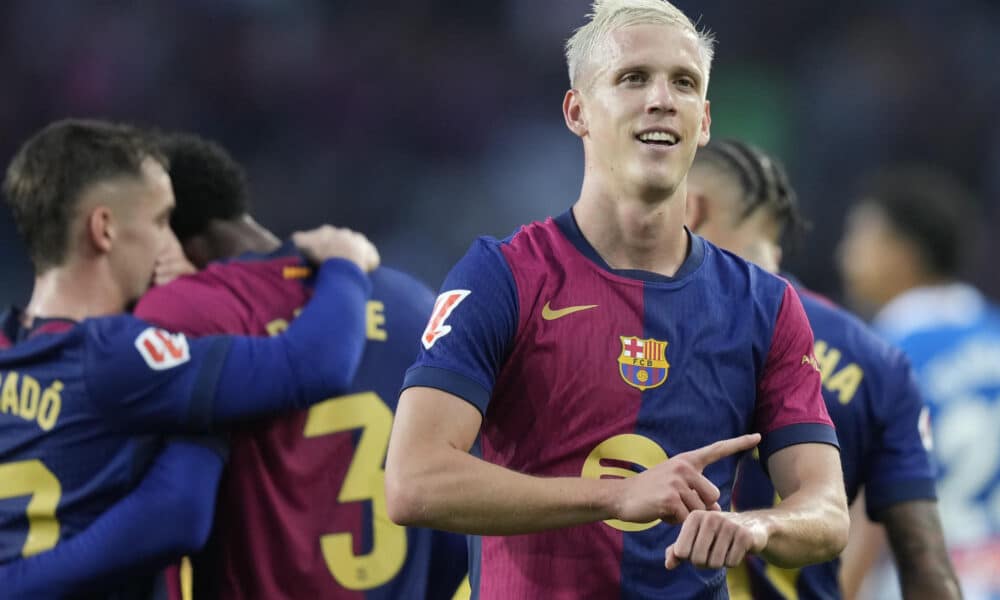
(740, 199)
(85, 390)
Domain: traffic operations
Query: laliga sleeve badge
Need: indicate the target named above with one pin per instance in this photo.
(443, 307)
(161, 349)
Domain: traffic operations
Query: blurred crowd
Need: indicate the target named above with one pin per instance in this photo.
(428, 122)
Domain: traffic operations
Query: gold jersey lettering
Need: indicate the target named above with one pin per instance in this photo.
(22, 395)
(48, 412)
(30, 391)
(375, 320)
(844, 382)
(9, 402)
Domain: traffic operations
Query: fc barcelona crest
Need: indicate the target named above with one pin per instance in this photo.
(643, 362)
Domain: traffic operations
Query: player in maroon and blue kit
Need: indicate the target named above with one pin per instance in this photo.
(86, 391)
(597, 363)
(302, 504)
(741, 199)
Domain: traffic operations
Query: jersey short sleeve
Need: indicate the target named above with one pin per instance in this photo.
(473, 324)
(790, 408)
(146, 379)
(901, 469)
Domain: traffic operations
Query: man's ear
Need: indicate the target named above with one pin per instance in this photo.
(573, 113)
(696, 211)
(101, 229)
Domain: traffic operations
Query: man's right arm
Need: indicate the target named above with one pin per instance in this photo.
(146, 379)
(917, 541)
(433, 481)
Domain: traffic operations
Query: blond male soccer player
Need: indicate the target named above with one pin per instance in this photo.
(586, 384)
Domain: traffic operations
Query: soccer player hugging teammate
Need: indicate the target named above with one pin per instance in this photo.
(586, 385)
(740, 199)
(86, 390)
(275, 493)
(302, 493)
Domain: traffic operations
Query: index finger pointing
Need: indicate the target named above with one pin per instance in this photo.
(706, 455)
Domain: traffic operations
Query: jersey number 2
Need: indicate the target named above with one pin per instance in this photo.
(33, 478)
(365, 480)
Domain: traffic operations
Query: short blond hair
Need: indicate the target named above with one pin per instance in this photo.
(610, 15)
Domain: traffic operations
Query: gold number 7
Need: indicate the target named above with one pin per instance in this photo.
(33, 478)
(365, 480)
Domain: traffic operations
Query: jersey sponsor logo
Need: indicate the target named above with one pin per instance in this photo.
(643, 362)
(161, 349)
(445, 304)
(551, 314)
(808, 359)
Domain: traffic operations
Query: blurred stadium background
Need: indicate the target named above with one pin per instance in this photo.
(427, 122)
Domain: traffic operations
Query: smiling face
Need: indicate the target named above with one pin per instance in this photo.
(641, 108)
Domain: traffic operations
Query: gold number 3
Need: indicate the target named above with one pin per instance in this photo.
(365, 480)
(32, 478)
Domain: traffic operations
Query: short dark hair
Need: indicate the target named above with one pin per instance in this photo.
(208, 183)
(762, 178)
(928, 206)
(55, 166)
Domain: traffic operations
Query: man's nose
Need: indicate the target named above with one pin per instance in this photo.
(660, 98)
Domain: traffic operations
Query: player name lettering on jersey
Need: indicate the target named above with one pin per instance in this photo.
(21, 395)
(161, 349)
(445, 304)
(842, 380)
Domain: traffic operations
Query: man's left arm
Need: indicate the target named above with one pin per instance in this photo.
(808, 526)
(799, 448)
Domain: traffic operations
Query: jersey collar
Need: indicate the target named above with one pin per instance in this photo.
(568, 226)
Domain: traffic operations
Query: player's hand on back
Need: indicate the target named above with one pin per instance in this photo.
(328, 242)
(674, 488)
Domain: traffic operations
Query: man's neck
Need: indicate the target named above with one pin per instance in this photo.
(633, 233)
(73, 292)
(241, 236)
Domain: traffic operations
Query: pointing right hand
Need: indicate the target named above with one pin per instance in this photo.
(327, 242)
(675, 487)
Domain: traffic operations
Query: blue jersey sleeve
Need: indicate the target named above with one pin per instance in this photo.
(168, 515)
(901, 468)
(146, 379)
(473, 324)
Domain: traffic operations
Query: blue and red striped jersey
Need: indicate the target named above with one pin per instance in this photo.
(577, 367)
(80, 406)
(302, 504)
(871, 394)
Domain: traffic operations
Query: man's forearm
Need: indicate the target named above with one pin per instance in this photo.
(456, 491)
(925, 571)
(804, 529)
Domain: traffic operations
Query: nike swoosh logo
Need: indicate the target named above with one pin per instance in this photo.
(550, 314)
